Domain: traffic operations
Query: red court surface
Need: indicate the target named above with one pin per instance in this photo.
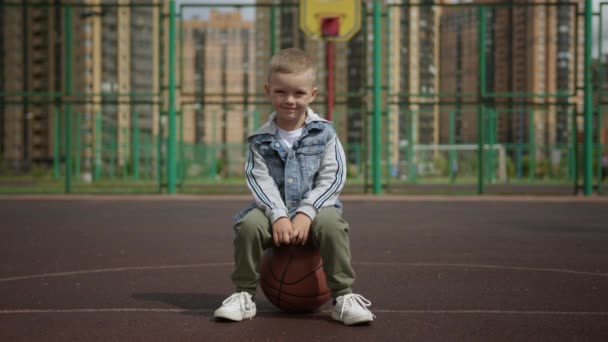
(84, 268)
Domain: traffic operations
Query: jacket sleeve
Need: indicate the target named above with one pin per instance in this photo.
(263, 187)
(330, 181)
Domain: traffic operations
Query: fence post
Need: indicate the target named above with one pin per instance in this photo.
(181, 164)
(481, 97)
(56, 142)
(113, 150)
(78, 146)
(135, 145)
(214, 144)
(172, 143)
(451, 142)
(124, 148)
(601, 130)
(588, 126)
(159, 153)
(411, 145)
(531, 146)
(98, 146)
(572, 146)
(273, 28)
(389, 170)
(148, 156)
(67, 66)
(491, 142)
(377, 117)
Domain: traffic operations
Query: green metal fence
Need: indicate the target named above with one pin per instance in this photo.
(155, 97)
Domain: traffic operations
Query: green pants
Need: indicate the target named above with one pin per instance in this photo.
(329, 233)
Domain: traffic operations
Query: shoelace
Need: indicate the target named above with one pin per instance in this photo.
(351, 299)
(240, 297)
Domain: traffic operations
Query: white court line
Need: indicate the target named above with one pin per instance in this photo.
(384, 311)
(344, 197)
(227, 264)
(115, 269)
(498, 267)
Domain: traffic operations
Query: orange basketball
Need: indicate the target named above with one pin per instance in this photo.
(292, 278)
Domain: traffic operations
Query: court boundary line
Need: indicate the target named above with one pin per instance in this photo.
(484, 266)
(323, 312)
(371, 263)
(112, 270)
(344, 197)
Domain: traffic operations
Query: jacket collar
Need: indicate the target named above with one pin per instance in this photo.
(312, 120)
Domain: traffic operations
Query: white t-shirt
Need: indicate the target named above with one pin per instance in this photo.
(289, 137)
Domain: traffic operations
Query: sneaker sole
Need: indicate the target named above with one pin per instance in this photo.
(359, 320)
(227, 317)
(230, 316)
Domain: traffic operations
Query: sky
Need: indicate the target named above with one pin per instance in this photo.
(203, 12)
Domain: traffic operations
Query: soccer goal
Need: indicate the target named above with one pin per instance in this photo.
(462, 159)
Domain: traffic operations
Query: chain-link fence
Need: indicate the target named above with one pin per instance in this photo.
(150, 97)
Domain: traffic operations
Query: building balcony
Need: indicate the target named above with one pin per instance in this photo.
(38, 26)
(39, 85)
(38, 140)
(39, 127)
(39, 41)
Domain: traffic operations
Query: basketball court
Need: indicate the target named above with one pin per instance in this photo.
(155, 269)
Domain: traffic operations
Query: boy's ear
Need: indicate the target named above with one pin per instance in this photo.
(267, 88)
(314, 92)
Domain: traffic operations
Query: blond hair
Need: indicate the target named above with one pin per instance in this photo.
(291, 61)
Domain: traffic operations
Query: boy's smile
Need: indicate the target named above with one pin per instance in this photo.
(290, 95)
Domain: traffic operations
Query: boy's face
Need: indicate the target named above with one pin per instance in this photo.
(290, 95)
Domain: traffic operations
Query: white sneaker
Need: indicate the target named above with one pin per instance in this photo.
(237, 307)
(352, 309)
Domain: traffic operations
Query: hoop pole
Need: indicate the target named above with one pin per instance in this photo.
(329, 48)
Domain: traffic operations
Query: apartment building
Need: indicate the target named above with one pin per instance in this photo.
(218, 78)
(31, 61)
(114, 51)
(122, 55)
(533, 55)
(413, 74)
(458, 74)
(538, 51)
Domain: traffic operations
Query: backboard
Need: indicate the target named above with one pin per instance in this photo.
(341, 18)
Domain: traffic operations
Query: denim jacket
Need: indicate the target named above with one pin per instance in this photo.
(304, 179)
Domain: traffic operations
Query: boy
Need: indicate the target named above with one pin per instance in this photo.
(295, 170)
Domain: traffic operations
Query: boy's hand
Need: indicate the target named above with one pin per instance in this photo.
(301, 227)
(281, 231)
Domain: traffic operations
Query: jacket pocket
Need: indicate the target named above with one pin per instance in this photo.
(310, 157)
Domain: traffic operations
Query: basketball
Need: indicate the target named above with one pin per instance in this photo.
(292, 278)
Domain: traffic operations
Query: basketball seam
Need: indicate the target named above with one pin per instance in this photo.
(292, 294)
(299, 280)
(282, 277)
